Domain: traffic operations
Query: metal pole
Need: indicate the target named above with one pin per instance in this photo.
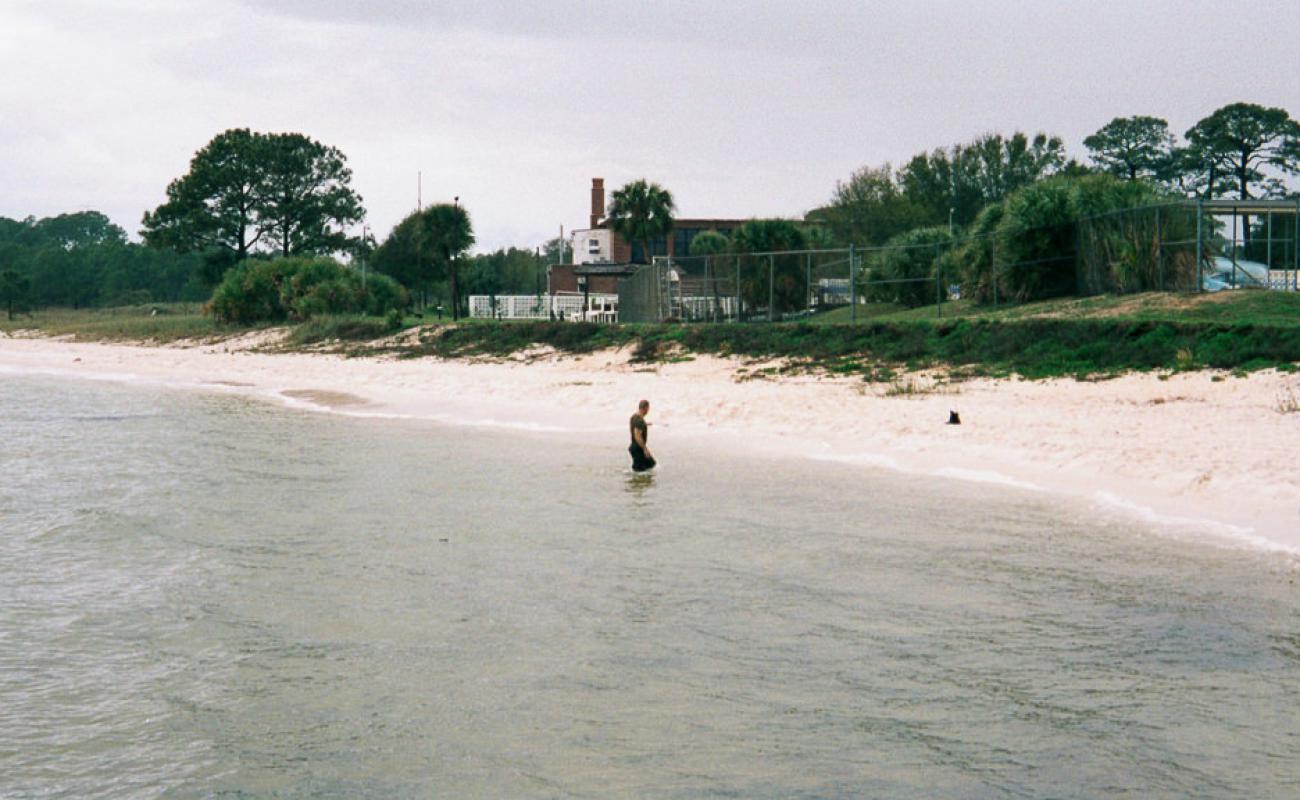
(938, 284)
(1234, 247)
(1160, 253)
(853, 289)
(1200, 277)
(807, 283)
(771, 288)
(737, 309)
(1269, 227)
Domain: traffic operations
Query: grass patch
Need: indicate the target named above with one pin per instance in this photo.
(1086, 338)
(1034, 347)
(171, 322)
(342, 328)
(1240, 307)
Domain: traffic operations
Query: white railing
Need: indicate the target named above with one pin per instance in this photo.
(1283, 279)
(600, 307)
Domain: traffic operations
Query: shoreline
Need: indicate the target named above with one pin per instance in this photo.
(1196, 452)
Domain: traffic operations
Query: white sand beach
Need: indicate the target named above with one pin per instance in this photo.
(1207, 453)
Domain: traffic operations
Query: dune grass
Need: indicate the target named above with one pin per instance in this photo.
(1241, 307)
(172, 322)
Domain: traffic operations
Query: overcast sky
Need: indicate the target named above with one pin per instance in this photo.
(741, 109)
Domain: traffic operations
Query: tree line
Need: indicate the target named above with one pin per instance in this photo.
(249, 195)
(936, 217)
(82, 259)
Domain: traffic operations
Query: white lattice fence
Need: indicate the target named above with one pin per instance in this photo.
(1283, 279)
(601, 308)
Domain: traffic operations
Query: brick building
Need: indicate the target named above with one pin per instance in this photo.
(601, 257)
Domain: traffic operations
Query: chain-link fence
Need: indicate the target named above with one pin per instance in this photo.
(1182, 246)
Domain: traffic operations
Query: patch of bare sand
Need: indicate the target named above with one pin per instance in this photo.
(326, 398)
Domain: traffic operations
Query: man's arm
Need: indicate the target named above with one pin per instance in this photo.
(639, 438)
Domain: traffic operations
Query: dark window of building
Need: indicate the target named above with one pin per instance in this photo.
(658, 247)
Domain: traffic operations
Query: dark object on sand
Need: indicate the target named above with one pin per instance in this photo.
(954, 418)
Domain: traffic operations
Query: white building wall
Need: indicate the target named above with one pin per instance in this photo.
(592, 246)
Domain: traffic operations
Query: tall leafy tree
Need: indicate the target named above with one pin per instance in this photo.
(1243, 139)
(215, 207)
(306, 200)
(82, 259)
(783, 280)
(13, 290)
(398, 256)
(78, 229)
(711, 244)
(248, 192)
(640, 211)
(1132, 147)
(1194, 170)
(869, 208)
(504, 271)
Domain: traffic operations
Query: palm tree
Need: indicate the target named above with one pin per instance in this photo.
(709, 244)
(443, 233)
(640, 211)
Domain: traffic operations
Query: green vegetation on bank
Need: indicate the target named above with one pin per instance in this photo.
(155, 324)
(1088, 338)
(1091, 337)
(299, 288)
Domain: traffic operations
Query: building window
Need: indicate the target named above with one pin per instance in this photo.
(593, 246)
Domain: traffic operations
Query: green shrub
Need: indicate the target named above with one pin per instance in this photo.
(905, 271)
(301, 288)
(1035, 241)
(1060, 237)
(974, 258)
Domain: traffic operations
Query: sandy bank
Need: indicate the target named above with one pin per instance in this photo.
(1195, 451)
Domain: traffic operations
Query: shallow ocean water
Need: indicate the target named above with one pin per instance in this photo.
(209, 595)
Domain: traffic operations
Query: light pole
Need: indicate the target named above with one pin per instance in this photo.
(365, 256)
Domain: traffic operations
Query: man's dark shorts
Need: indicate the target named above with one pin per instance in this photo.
(640, 461)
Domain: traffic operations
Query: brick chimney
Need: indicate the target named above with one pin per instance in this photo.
(597, 201)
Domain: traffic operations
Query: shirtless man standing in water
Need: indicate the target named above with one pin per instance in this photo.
(642, 459)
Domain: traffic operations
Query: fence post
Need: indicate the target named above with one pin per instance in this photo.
(1200, 276)
(1234, 247)
(1160, 252)
(1269, 228)
(853, 290)
(807, 283)
(739, 307)
(771, 288)
(938, 284)
(993, 266)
